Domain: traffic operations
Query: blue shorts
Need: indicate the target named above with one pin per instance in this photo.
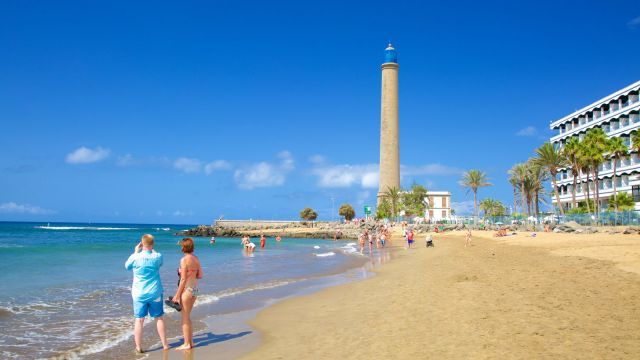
(152, 308)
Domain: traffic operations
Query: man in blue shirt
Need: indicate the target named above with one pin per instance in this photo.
(146, 289)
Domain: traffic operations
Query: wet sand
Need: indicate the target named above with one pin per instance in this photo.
(555, 296)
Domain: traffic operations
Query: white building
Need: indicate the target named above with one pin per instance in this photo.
(617, 115)
(438, 205)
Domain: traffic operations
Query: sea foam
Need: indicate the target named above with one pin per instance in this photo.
(330, 253)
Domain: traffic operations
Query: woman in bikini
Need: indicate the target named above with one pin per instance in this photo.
(190, 271)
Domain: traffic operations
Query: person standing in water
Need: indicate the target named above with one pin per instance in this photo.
(146, 289)
(263, 241)
(190, 271)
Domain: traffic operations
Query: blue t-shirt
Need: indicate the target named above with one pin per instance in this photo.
(146, 275)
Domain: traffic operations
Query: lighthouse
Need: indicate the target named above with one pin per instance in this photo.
(389, 134)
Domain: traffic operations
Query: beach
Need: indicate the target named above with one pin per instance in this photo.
(557, 296)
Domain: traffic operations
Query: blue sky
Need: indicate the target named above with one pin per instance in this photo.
(181, 112)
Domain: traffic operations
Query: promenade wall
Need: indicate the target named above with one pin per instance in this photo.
(253, 223)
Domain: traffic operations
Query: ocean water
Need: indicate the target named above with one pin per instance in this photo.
(64, 291)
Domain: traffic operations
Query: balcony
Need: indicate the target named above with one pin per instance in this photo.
(601, 119)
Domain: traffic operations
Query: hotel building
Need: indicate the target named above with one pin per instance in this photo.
(438, 205)
(617, 115)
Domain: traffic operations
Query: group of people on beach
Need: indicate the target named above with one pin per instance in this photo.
(147, 290)
(379, 238)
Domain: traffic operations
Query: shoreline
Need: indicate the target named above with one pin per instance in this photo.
(231, 335)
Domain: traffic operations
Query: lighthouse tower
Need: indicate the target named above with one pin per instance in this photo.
(389, 139)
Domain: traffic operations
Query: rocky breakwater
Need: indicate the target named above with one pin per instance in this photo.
(574, 227)
(319, 230)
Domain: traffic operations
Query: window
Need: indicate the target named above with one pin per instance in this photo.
(444, 202)
(444, 213)
(614, 125)
(430, 214)
(624, 121)
(635, 192)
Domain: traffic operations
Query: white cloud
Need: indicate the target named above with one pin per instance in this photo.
(634, 23)
(84, 155)
(370, 180)
(463, 207)
(340, 176)
(527, 131)
(259, 175)
(216, 165)
(430, 169)
(264, 174)
(14, 208)
(286, 160)
(188, 165)
(368, 175)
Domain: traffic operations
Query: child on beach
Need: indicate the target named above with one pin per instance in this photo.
(467, 238)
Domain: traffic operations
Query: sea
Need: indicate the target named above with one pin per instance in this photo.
(65, 293)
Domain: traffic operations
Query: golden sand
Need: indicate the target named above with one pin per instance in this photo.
(555, 296)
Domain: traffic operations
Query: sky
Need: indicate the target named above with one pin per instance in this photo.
(182, 112)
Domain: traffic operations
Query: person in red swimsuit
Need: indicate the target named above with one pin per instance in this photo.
(263, 241)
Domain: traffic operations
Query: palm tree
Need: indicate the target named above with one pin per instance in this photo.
(572, 154)
(617, 149)
(635, 141)
(487, 205)
(472, 180)
(596, 145)
(393, 195)
(550, 158)
(583, 162)
(519, 171)
(623, 201)
(491, 207)
(514, 184)
(537, 176)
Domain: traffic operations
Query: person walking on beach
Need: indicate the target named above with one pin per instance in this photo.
(263, 241)
(382, 238)
(361, 242)
(410, 238)
(467, 240)
(146, 289)
(190, 271)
